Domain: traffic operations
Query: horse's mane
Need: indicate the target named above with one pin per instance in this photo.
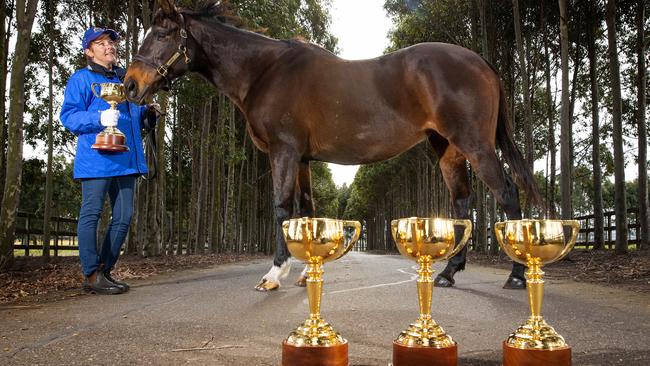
(218, 10)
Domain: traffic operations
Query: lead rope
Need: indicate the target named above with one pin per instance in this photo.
(152, 154)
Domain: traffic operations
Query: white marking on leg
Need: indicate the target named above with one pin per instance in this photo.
(276, 273)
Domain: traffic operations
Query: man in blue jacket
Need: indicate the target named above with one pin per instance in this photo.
(102, 173)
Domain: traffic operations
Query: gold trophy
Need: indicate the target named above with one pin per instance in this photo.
(316, 241)
(427, 240)
(535, 243)
(110, 139)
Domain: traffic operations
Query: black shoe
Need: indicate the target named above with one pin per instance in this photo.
(443, 281)
(515, 283)
(118, 283)
(101, 285)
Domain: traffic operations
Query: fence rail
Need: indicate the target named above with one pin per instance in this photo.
(586, 234)
(29, 229)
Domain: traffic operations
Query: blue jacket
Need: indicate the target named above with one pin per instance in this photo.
(80, 115)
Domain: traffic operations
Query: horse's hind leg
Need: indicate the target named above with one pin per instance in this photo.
(306, 205)
(490, 171)
(284, 167)
(454, 172)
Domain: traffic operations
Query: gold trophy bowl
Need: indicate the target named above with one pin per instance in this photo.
(427, 240)
(535, 243)
(110, 139)
(316, 241)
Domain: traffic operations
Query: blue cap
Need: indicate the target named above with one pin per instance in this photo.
(94, 32)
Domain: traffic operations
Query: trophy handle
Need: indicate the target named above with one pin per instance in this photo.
(575, 229)
(357, 232)
(92, 87)
(285, 228)
(468, 230)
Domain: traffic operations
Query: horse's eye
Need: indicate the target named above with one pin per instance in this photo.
(160, 35)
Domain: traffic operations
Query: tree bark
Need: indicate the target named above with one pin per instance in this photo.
(565, 130)
(25, 13)
(552, 147)
(526, 122)
(620, 206)
(47, 212)
(599, 220)
(5, 35)
(200, 208)
(161, 176)
(643, 233)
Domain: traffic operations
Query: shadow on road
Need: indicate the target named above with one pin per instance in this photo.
(598, 357)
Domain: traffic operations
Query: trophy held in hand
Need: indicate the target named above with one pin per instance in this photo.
(111, 139)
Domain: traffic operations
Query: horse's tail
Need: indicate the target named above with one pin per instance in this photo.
(522, 173)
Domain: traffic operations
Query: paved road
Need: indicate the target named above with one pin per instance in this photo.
(368, 299)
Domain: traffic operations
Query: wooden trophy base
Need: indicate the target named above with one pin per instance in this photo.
(532, 357)
(315, 355)
(424, 356)
(110, 142)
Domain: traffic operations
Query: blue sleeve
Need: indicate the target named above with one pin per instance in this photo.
(75, 115)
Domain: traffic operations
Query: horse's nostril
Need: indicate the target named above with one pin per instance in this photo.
(131, 89)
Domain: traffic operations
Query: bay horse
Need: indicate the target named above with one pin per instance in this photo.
(303, 103)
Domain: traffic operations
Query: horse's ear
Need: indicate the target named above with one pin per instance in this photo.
(167, 6)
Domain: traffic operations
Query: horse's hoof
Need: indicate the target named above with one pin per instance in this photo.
(266, 286)
(302, 281)
(442, 281)
(515, 283)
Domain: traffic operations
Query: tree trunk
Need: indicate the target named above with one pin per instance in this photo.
(565, 131)
(161, 177)
(552, 148)
(200, 207)
(47, 212)
(619, 160)
(526, 122)
(130, 28)
(25, 13)
(599, 220)
(5, 35)
(643, 233)
(179, 174)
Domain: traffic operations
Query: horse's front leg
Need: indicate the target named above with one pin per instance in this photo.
(284, 168)
(306, 204)
(454, 172)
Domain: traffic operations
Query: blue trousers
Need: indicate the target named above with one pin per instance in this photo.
(93, 192)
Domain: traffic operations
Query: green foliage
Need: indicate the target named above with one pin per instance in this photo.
(325, 193)
(286, 19)
(429, 21)
(66, 191)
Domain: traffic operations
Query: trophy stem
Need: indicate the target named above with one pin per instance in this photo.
(314, 288)
(425, 287)
(535, 281)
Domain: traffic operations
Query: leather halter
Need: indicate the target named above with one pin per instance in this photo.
(163, 69)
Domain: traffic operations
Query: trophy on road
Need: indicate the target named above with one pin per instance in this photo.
(110, 139)
(316, 241)
(535, 243)
(427, 240)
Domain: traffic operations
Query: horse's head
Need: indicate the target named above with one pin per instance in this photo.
(165, 54)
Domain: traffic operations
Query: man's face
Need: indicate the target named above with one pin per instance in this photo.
(103, 51)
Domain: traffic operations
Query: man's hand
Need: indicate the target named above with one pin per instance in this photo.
(109, 117)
